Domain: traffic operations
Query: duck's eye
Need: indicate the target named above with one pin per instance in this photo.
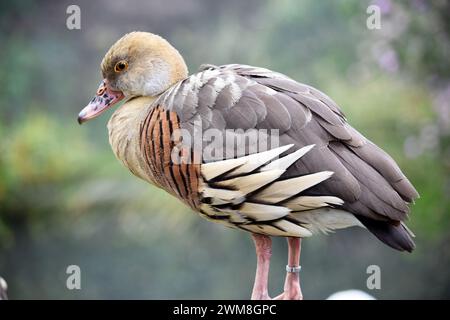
(120, 66)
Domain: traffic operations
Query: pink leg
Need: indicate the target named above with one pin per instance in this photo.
(263, 246)
(292, 289)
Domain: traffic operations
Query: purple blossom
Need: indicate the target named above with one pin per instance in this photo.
(384, 5)
(388, 61)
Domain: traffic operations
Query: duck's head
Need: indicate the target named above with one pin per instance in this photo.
(138, 64)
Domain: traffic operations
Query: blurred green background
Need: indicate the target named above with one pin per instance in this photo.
(65, 199)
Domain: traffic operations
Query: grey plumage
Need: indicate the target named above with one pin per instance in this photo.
(368, 180)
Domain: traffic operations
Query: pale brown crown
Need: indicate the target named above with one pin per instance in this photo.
(136, 47)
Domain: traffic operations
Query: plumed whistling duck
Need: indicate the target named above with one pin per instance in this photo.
(249, 148)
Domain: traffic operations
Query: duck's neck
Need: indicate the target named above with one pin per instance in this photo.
(124, 125)
(123, 130)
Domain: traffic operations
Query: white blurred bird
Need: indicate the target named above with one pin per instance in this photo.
(351, 294)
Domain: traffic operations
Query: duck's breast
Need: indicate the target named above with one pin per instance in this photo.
(124, 129)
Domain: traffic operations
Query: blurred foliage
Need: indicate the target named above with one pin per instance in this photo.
(422, 43)
(64, 199)
(35, 168)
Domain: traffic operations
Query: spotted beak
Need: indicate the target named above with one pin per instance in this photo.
(104, 99)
